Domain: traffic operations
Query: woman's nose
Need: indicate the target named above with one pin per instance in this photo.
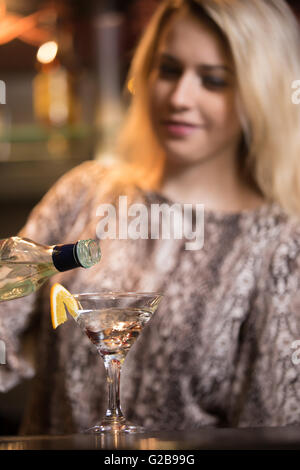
(183, 94)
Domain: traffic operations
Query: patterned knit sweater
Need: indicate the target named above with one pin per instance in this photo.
(218, 351)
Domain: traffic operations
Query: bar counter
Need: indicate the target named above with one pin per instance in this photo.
(279, 438)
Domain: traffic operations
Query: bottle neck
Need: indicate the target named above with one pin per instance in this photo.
(65, 257)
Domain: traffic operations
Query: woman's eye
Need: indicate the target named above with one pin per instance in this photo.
(213, 82)
(168, 71)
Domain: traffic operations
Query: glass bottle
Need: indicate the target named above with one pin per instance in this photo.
(26, 265)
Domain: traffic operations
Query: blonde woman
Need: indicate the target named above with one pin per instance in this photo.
(211, 121)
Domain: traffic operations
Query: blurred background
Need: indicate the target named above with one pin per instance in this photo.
(63, 66)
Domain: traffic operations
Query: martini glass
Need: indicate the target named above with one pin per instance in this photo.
(113, 322)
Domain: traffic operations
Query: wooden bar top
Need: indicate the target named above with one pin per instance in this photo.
(279, 438)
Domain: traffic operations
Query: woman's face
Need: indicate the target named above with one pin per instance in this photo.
(192, 93)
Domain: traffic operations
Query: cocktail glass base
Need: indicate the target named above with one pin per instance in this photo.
(115, 427)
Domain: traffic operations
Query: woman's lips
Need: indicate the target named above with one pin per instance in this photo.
(180, 129)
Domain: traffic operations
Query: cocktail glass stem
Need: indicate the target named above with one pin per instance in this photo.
(113, 415)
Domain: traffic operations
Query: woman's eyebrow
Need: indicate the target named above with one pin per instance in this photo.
(201, 67)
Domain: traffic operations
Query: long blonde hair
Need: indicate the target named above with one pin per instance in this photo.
(264, 40)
